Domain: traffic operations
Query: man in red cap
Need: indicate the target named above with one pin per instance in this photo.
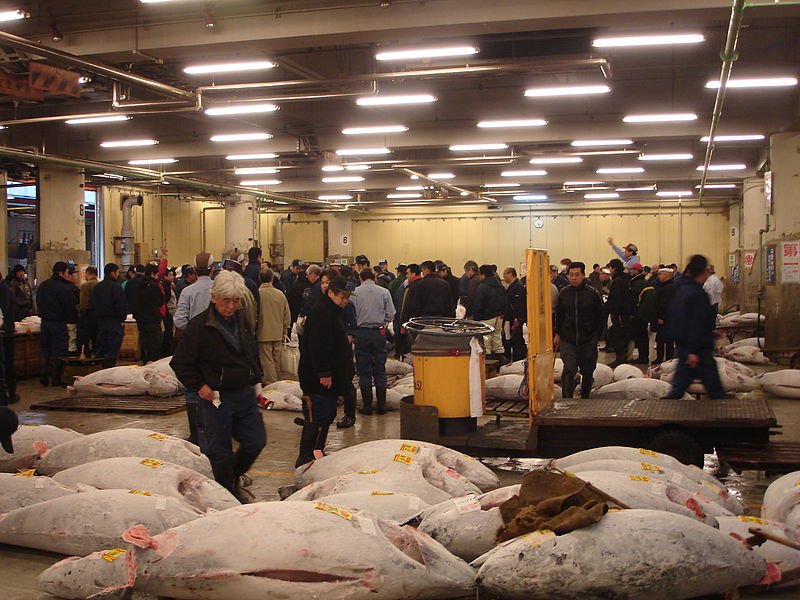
(643, 298)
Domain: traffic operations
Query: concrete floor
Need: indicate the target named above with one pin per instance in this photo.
(19, 567)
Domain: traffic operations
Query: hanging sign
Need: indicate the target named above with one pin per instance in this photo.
(18, 86)
(54, 80)
(749, 259)
(790, 262)
(769, 258)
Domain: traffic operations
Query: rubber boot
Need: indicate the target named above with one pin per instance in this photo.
(621, 359)
(58, 371)
(380, 394)
(567, 386)
(586, 387)
(224, 475)
(191, 416)
(308, 443)
(366, 401)
(322, 438)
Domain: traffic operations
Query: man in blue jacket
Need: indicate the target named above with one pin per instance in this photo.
(692, 322)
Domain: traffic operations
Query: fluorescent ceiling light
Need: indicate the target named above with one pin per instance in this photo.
(584, 143)
(512, 123)
(427, 53)
(362, 151)
(756, 82)
(441, 176)
(332, 168)
(590, 188)
(530, 197)
(584, 183)
(472, 147)
(356, 167)
(415, 177)
(409, 188)
(251, 156)
(403, 196)
(556, 160)
(644, 188)
(660, 118)
(464, 194)
(749, 137)
(375, 129)
(648, 40)
(13, 15)
(570, 90)
(240, 137)
(241, 109)
(530, 173)
(344, 179)
(260, 182)
(153, 161)
(673, 193)
(128, 143)
(392, 100)
(717, 186)
(676, 156)
(91, 120)
(735, 167)
(335, 197)
(255, 65)
(109, 176)
(619, 170)
(500, 185)
(255, 171)
(604, 152)
(601, 196)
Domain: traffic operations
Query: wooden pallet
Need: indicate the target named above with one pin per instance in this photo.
(774, 458)
(507, 408)
(147, 405)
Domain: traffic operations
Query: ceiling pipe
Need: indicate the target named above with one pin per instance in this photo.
(728, 55)
(19, 43)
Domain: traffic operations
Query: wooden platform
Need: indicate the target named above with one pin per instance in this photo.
(147, 405)
(775, 458)
(507, 408)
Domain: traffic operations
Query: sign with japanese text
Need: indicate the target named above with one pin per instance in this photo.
(769, 258)
(790, 262)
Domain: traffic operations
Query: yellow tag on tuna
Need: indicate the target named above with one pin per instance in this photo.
(746, 519)
(112, 555)
(377, 493)
(647, 452)
(140, 493)
(334, 510)
(641, 478)
(26, 473)
(157, 436)
(649, 467)
(402, 458)
(409, 448)
(370, 472)
(151, 462)
(537, 537)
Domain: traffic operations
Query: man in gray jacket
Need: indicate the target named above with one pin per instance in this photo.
(274, 321)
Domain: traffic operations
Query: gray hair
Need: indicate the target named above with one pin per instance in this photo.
(316, 269)
(228, 285)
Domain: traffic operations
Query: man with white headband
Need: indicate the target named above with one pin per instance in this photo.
(217, 356)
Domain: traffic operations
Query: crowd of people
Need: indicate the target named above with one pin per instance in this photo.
(227, 325)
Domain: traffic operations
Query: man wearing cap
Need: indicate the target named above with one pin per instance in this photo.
(111, 309)
(445, 273)
(217, 356)
(383, 264)
(374, 309)
(57, 305)
(186, 276)
(643, 301)
(665, 346)
(628, 254)
(326, 368)
(291, 274)
(193, 301)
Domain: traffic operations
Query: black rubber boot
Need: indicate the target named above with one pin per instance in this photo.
(345, 422)
(621, 359)
(567, 386)
(322, 438)
(366, 401)
(586, 387)
(380, 394)
(191, 416)
(58, 371)
(308, 443)
(224, 475)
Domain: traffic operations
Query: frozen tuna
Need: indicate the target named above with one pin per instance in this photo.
(306, 550)
(277, 400)
(89, 521)
(400, 507)
(747, 354)
(154, 379)
(635, 389)
(29, 442)
(631, 555)
(782, 500)
(468, 526)
(504, 387)
(124, 442)
(625, 371)
(784, 557)
(783, 384)
(394, 453)
(155, 476)
(286, 385)
(24, 488)
(398, 367)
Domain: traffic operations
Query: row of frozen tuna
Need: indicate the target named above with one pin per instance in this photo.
(341, 536)
(154, 379)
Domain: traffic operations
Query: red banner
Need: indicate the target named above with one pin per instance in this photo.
(54, 80)
(18, 86)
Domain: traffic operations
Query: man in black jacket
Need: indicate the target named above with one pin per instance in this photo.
(487, 307)
(580, 318)
(217, 356)
(57, 305)
(326, 368)
(665, 346)
(133, 284)
(642, 305)
(515, 315)
(147, 311)
(692, 323)
(8, 304)
(618, 307)
(111, 310)
(429, 296)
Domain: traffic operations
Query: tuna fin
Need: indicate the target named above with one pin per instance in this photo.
(85, 487)
(41, 448)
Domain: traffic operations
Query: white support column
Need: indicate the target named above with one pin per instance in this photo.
(240, 225)
(340, 236)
